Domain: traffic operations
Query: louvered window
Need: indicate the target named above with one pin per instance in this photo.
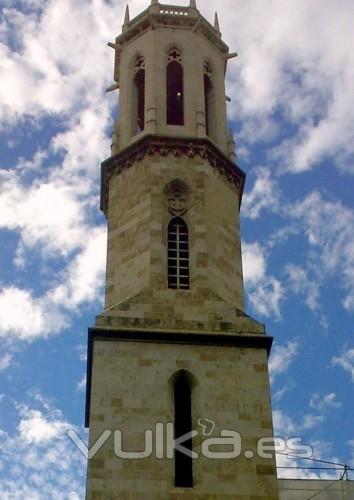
(178, 254)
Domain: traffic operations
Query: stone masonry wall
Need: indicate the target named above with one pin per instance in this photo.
(137, 237)
(132, 391)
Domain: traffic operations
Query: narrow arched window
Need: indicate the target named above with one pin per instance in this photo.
(174, 90)
(207, 95)
(183, 425)
(178, 254)
(209, 99)
(140, 89)
(139, 96)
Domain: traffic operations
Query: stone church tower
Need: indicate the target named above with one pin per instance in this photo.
(173, 348)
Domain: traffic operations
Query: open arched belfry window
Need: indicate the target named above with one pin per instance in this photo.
(183, 425)
(174, 90)
(209, 99)
(177, 236)
(139, 95)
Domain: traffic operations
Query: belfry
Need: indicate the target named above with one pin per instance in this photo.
(174, 363)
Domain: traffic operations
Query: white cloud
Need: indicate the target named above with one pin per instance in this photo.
(311, 421)
(309, 287)
(281, 358)
(34, 164)
(301, 284)
(51, 206)
(330, 137)
(25, 316)
(38, 460)
(263, 196)
(267, 297)
(84, 142)
(69, 85)
(322, 449)
(82, 280)
(34, 427)
(253, 262)
(279, 394)
(345, 361)
(54, 56)
(49, 214)
(302, 74)
(329, 228)
(281, 235)
(283, 424)
(292, 468)
(286, 426)
(265, 292)
(20, 256)
(5, 361)
(81, 386)
(81, 350)
(321, 403)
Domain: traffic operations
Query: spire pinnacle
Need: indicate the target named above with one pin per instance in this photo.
(154, 2)
(216, 23)
(193, 4)
(127, 15)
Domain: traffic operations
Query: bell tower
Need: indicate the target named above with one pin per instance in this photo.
(173, 352)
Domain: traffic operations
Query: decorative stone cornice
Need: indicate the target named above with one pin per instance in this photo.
(150, 145)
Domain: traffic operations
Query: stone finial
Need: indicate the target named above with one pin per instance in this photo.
(216, 23)
(193, 4)
(154, 2)
(127, 15)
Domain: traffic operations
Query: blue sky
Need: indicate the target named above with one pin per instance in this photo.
(292, 113)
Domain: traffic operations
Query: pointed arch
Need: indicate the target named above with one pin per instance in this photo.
(182, 391)
(178, 254)
(174, 88)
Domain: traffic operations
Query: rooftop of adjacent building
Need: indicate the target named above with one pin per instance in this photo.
(319, 489)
